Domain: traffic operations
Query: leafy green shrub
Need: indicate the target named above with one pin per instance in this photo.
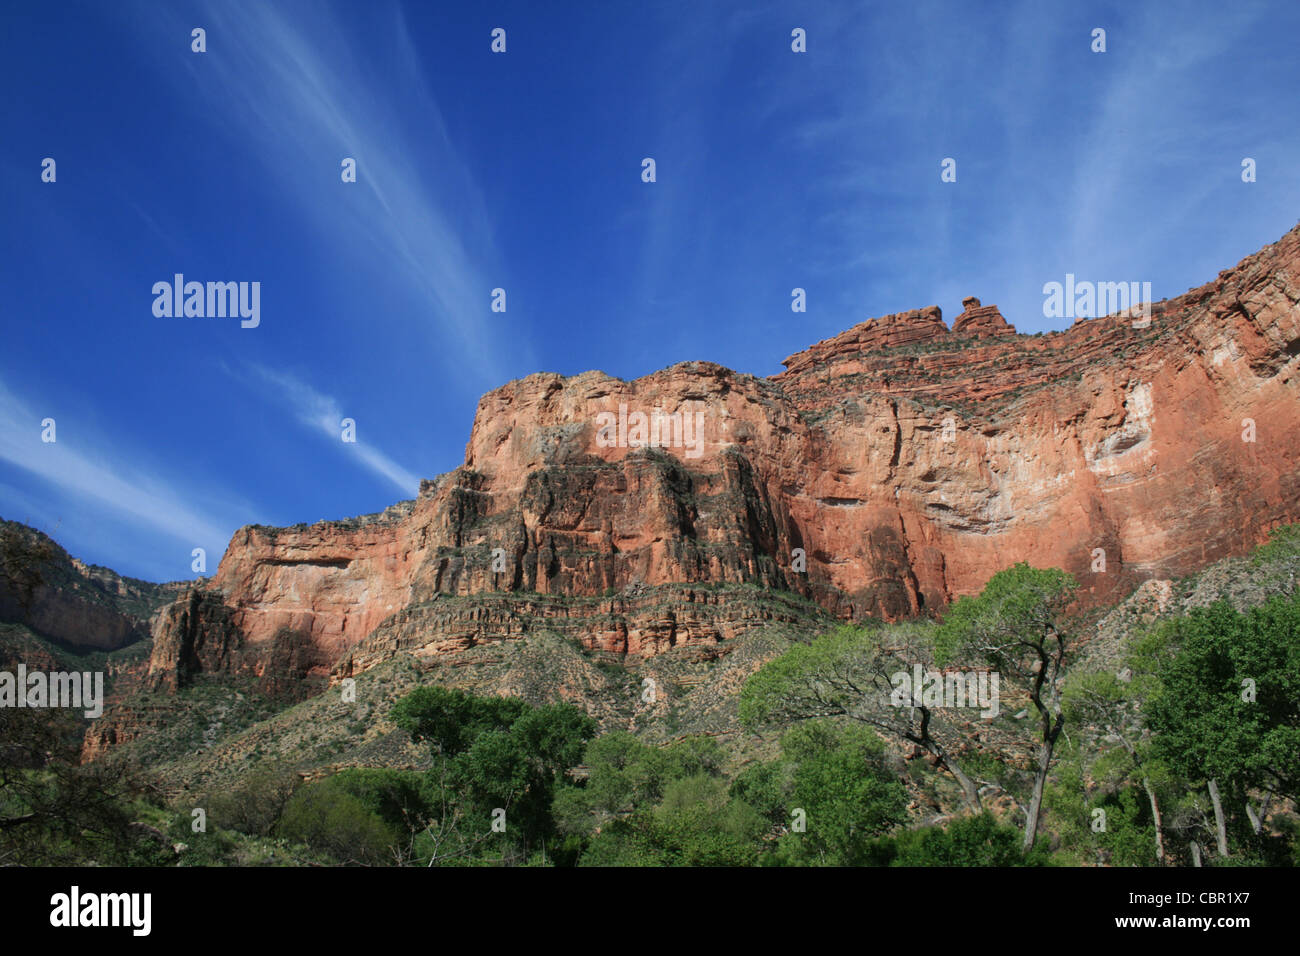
(977, 840)
(326, 817)
(401, 798)
(255, 806)
(846, 792)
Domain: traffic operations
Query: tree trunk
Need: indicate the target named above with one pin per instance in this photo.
(968, 788)
(1155, 815)
(1256, 822)
(1220, 830)
(1196, 853)
(970, 793)
(1036, 802)
(1040, 780)
(922, 737)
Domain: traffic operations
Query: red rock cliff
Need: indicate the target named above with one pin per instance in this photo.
(906, 462)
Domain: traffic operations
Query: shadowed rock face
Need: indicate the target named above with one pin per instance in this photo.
(886, 471)
(79, 607)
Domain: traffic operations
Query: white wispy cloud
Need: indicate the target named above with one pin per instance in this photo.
(294, 88)
(92, 469)
(324, 414)
(1095, 178)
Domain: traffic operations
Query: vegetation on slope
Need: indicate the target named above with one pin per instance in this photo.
(1152, 737)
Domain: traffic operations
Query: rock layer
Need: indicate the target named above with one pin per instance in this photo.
(884, 472)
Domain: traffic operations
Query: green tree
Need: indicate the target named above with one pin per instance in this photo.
(845, 789)
(256, 803)
(1017, 626)
(1111, 710)
(1097, 811)
(490, 755)
(624, 774)
(449, 720)
(56, 812)
(695, 824)
(327, 817)
(1226, 710)
(850, 673)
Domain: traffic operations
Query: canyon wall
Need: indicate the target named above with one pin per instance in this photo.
(886, 471)
(77, 606)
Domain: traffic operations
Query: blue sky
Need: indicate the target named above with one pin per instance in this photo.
(522, 171)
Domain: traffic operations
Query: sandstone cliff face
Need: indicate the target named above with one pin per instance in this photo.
(886, 471)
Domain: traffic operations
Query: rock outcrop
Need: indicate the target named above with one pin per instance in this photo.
(917, 327)
(980, 321)
(884, 472)
(78, 606)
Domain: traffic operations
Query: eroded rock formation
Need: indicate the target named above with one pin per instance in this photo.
(884, 472)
